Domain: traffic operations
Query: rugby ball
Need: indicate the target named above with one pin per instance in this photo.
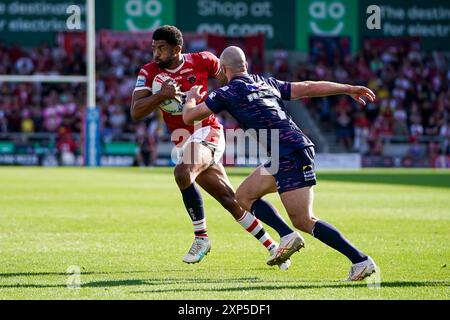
(171, 106)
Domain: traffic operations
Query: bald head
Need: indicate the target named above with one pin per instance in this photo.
(233, 58)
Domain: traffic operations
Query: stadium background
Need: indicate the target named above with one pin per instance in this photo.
(406, 63)
(120, 233)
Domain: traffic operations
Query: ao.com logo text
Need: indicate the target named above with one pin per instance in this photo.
(142, 15)
(327, 18)
(140, 8)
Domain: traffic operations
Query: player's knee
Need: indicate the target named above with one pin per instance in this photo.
(304, 223)
(183, 176)
(301, 225)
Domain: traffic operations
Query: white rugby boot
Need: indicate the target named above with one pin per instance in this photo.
(282, 266)
(289, 244)
(360, 271)
(199, 249)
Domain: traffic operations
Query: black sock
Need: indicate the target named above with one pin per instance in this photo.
(333, 238)
(266, 213)
(193, 202)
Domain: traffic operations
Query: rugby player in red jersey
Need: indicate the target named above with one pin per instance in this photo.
(205, 144)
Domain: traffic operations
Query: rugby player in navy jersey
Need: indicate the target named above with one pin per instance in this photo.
(257, 103)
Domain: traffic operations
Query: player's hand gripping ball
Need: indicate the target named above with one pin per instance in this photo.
(170, 89)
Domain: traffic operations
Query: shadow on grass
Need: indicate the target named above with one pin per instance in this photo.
(439, 179)
(36, 274)
(242, 284)
(305, 286)
(134, 282)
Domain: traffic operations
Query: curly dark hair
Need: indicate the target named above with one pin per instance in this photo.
(171, 34)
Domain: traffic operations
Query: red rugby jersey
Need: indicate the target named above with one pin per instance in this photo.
(195, 70)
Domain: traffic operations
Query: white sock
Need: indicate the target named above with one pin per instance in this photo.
(200, 230)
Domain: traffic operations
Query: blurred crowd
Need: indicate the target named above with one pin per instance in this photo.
(412, 89)
(57, 108)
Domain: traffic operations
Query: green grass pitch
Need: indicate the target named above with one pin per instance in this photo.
(127, 230)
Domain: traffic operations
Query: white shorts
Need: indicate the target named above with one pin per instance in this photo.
(212, 138)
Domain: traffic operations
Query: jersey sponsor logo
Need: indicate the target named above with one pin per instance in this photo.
(264, 93)
(186, 70)
(256, 86)
(164, 74)
(158, 79)
(162, 77)
(225, 88)
(140, 81)
(212, 95)
(192, 78)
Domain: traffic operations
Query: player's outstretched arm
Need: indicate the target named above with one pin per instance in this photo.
(192, 112)
(144, 103)
(311, 89)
